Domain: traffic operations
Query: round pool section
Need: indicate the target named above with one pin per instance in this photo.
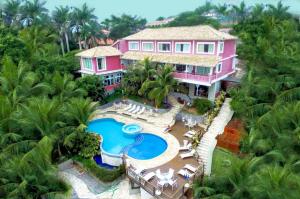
(115, 142)
(131, 129)
(150, 147)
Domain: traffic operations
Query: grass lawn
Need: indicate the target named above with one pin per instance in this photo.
(222, 159)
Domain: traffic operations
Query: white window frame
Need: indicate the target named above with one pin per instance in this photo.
(208, 53)
(189, 50)
(104, 63)
(132, 42)
(148, 42)
(219, 47)
(83, 64)
(116, 76)
(158, 43)
(217, 67)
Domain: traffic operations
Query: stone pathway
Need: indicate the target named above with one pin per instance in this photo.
(208, 142)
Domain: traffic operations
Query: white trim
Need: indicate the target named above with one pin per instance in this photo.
(217, 67)
(164, 43)
(111, 71)
(219, 45)
(235, 55)
(189, 50)
(104, 63)
(148, 42)
(82, 63)
(222, 77)
(192, 81)
(214, 48)
(136, 42)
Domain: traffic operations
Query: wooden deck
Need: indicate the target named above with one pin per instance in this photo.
(176, 163)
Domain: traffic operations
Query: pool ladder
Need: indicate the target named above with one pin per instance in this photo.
(138, 140)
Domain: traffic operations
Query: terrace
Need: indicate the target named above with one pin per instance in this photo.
(177, 163)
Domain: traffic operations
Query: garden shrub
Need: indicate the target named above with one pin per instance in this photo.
(90, 145)
(202, 105)
(103, 174)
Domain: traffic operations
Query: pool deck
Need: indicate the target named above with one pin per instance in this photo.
(175, 163)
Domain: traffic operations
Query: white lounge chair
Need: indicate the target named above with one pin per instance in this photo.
(184, 146)
(188, 135)
(188, 154)
(132, 108)
(190, 167)
(148, 176)
(185, 173)
(162, 183)
(138, 170)
(136, 110)
(128, 107)
(141, 111)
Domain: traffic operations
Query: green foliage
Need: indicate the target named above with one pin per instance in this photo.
(105, 175)
(123, 26)
(11, 46)
(268, 102)
(202, 105)
(89, 145)
(93, 84)
(159, 88)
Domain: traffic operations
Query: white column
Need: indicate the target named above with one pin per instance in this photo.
(212, 92)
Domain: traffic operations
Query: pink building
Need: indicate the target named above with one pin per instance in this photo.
(104, 61)
(201, 55)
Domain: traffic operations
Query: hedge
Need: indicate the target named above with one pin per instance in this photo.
(103, 174)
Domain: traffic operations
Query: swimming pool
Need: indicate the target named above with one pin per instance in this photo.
(143, 146)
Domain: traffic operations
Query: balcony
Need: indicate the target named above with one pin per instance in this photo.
(200, 79)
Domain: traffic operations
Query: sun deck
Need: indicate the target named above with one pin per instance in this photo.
(176, 163)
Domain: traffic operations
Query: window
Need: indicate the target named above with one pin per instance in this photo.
(234, 61)
(219, 68)
(205, 48)
(182, 47)
(164, 47)
(180, 68)
(147, 46)
(202, 70)
(101, 65)
(133, 45)
(118, 78)
(221, 47)
(108, 80)
(87, 63)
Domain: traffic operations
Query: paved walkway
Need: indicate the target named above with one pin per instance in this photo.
(208, 142)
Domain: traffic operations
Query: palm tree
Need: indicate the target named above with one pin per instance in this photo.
(257, 10)
(31, 175)
(18, 83)
(31, 11)
(80, 18)
(275, 182)
(148, 68)
(161, 86)
(241, 11)
(39, 41)
(279, 11)
(61, 18)
(12, 11)
(222, 9)
(80, 110)
(64, 88)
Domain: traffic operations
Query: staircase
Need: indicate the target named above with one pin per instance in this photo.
(208, 142)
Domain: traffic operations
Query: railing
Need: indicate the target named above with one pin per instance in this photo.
(202, 78)
(150, 188)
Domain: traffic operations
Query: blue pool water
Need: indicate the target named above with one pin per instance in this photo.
(142, 146)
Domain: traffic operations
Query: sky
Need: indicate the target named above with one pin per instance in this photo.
(152, 9)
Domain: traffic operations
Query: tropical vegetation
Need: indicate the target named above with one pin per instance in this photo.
(268, 103)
